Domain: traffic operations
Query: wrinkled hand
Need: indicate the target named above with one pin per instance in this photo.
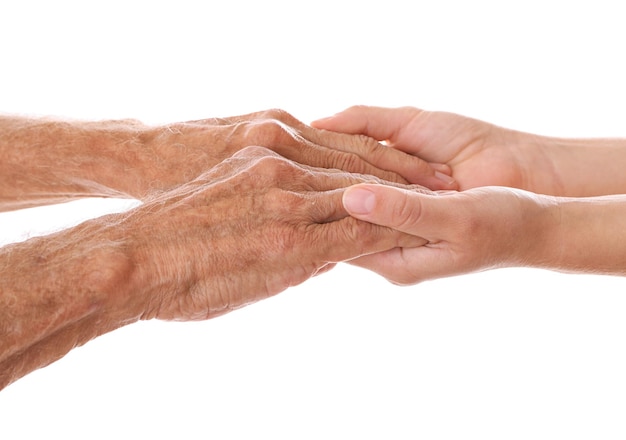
(180, 152)
(468, 231)
(479, 153)
(245, 230)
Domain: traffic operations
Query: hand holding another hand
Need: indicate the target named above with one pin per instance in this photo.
(244, 230)
(181, 151)
(500, 218)
(478, 229)
(247, 229)
(478, 153)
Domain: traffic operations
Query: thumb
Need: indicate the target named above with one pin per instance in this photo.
(409, 211)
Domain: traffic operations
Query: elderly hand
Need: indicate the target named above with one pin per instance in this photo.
(247, 229)
(184, 150)
(45, 161)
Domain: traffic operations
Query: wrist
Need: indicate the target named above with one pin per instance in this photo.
(62, 291)
(44, 161)
(110, 266)
(583, 235)
(530, 235)
(544, 232)
(538, 158)
(117, 156)
(585, 167)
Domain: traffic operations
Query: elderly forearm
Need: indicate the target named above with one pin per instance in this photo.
(240, 232)
(60, 291)
(44, 161)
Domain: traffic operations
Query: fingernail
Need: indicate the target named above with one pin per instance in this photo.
(442, 167)
(448, 180)
(358, 200)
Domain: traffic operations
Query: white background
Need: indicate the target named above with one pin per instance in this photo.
(506, 354)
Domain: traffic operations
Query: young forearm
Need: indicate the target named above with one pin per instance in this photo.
(587, 235)
(583, 167)
(44, 161)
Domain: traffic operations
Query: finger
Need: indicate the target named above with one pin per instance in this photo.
(408, 211)
(386, 124)
(294, 140)
(375, 156)
(377, 122)
(327, 206)
(349, 238)
(396, 267)
(325, 179)
(280, 131)
(354, 154)
(325, 157)
(417, 171)
(406, 266)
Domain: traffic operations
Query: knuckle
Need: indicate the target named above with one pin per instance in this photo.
(374, 150)
(268, 164)
(369, 143)
(357, 108)
(252, 152)
(362, 234)
(348, 162)
(279, 115)
(361, 144)
(274, 168)
(406, 212)
(267, 132)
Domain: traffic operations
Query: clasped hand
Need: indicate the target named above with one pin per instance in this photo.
(496, 220)
(238, 209)
(247, 229)
(179, 152)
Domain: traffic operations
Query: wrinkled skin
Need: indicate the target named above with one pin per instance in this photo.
(184, 150)
(245, 230)
(478, 153)
(45, 161)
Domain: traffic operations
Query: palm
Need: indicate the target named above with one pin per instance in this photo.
(472, 148)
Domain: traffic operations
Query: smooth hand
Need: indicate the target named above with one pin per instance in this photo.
(479, 153)
(477, 229)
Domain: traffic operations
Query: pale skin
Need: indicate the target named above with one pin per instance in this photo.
(525, 200)
(224, 222)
